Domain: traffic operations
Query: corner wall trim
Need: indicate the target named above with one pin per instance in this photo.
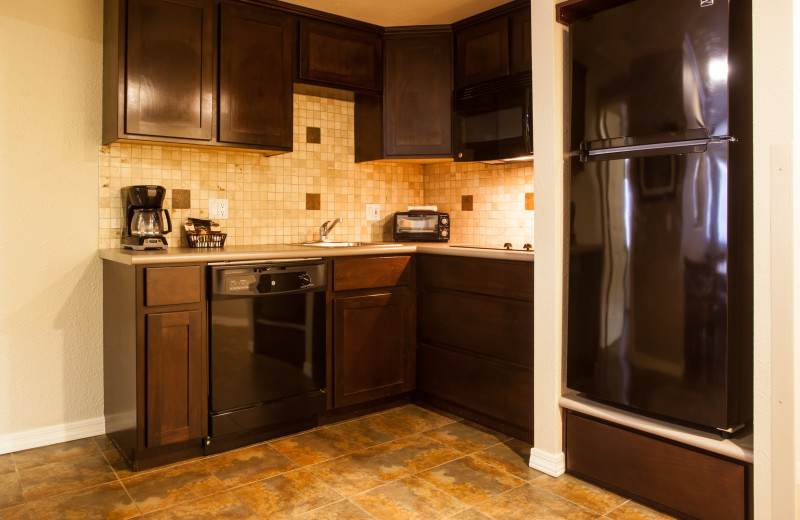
(52, 435)
(551, 463)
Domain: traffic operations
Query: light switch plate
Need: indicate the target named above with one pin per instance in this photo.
(373, 212)
(218, 208)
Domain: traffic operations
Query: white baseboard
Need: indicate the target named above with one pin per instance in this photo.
(550, 463)
(52, 435)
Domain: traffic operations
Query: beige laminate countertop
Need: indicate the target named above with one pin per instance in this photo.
(278, 252)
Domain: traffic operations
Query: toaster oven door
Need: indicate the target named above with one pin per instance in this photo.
(416, 227)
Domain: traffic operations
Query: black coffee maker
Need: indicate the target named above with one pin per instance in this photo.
(144, 228)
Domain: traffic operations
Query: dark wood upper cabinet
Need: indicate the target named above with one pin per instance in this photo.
(168, 75)
(482, 52)
(417, 95)
(493, 44)
(521, 40)
(255, 80)
(339, 56)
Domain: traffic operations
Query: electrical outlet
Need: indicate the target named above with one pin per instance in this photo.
(218, 208)
(373, 212)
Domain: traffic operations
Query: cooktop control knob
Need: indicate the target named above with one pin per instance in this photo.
(305, 280)
(508, 245)
(527, 247)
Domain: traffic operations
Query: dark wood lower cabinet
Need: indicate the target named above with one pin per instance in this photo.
(373, 347)
(174, 352)
(681, 480)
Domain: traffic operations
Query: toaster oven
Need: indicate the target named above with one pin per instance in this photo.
(421, 226)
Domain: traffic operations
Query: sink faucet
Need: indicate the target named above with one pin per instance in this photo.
(324, 229)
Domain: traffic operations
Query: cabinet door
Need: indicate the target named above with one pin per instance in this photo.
(175, 378)
(373, 347)
(255, 77)
(417, 96)
(339, 56)
(521, 40)
(482, 52)
(169, 82)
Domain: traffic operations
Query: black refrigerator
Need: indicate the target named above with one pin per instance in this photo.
(660, 313)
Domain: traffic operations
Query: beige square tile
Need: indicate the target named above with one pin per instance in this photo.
(171, 486)
(286, 495)
(61, 477)
(236, 468)
(408, 499)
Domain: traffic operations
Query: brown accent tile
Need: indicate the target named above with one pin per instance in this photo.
(408, 499)
(367, 431)
(633, 511)
(313, 135)
(466, 203)
(61, 477)
(315, 446)
(584, 494)
(10, 491)
(286, 495)
(7, 464)
(466, 437)
(222, 506)
(55, 453)
(342, 510)
(168, 487)
(313, 201)
(103, 442)
(470, 480)
(527, 501)
(470, 514)
(378, 465)
(15, 513)
(511, 456)
(529, 201)
(181, 199)
(411, 419)
(247, 465)
(106, 502)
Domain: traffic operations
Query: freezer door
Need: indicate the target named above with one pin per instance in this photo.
(650, 71)
(648, 284)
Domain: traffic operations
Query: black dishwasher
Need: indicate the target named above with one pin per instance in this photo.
(266, 350)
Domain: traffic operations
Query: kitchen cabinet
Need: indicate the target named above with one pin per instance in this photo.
(255, 77)
(413, 119)
(682, 480)
(373, 328)
(493, 44)
(339, 56)
(161, 65)
(158, 70)
(155, 361)
(475, 340)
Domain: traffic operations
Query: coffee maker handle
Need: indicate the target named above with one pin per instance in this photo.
(169, 222)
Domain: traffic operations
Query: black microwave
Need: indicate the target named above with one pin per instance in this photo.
(493, 120)
(421, 226)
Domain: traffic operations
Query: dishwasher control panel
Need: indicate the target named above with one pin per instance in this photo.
(269, 278)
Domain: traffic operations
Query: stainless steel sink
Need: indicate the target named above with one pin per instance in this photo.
(350, 244)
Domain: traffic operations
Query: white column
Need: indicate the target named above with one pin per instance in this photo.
(549, 44)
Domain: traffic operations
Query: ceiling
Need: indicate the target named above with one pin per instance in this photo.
(389, 13)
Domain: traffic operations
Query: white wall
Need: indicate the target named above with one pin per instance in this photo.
(50, 277)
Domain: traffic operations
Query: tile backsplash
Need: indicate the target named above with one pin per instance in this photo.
(285, 198)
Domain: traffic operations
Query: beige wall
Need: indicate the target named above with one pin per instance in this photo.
(50, 277)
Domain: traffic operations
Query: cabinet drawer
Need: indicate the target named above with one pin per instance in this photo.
(495, 389)
(683, 479)
(172, 285)
(365, 273)
(492, 326)
(499, 278)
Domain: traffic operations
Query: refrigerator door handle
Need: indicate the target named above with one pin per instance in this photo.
(673, 147)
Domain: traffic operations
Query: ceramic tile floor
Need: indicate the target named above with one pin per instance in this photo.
(405, 463)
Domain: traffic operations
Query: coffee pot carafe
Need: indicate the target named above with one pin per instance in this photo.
(144, 226)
